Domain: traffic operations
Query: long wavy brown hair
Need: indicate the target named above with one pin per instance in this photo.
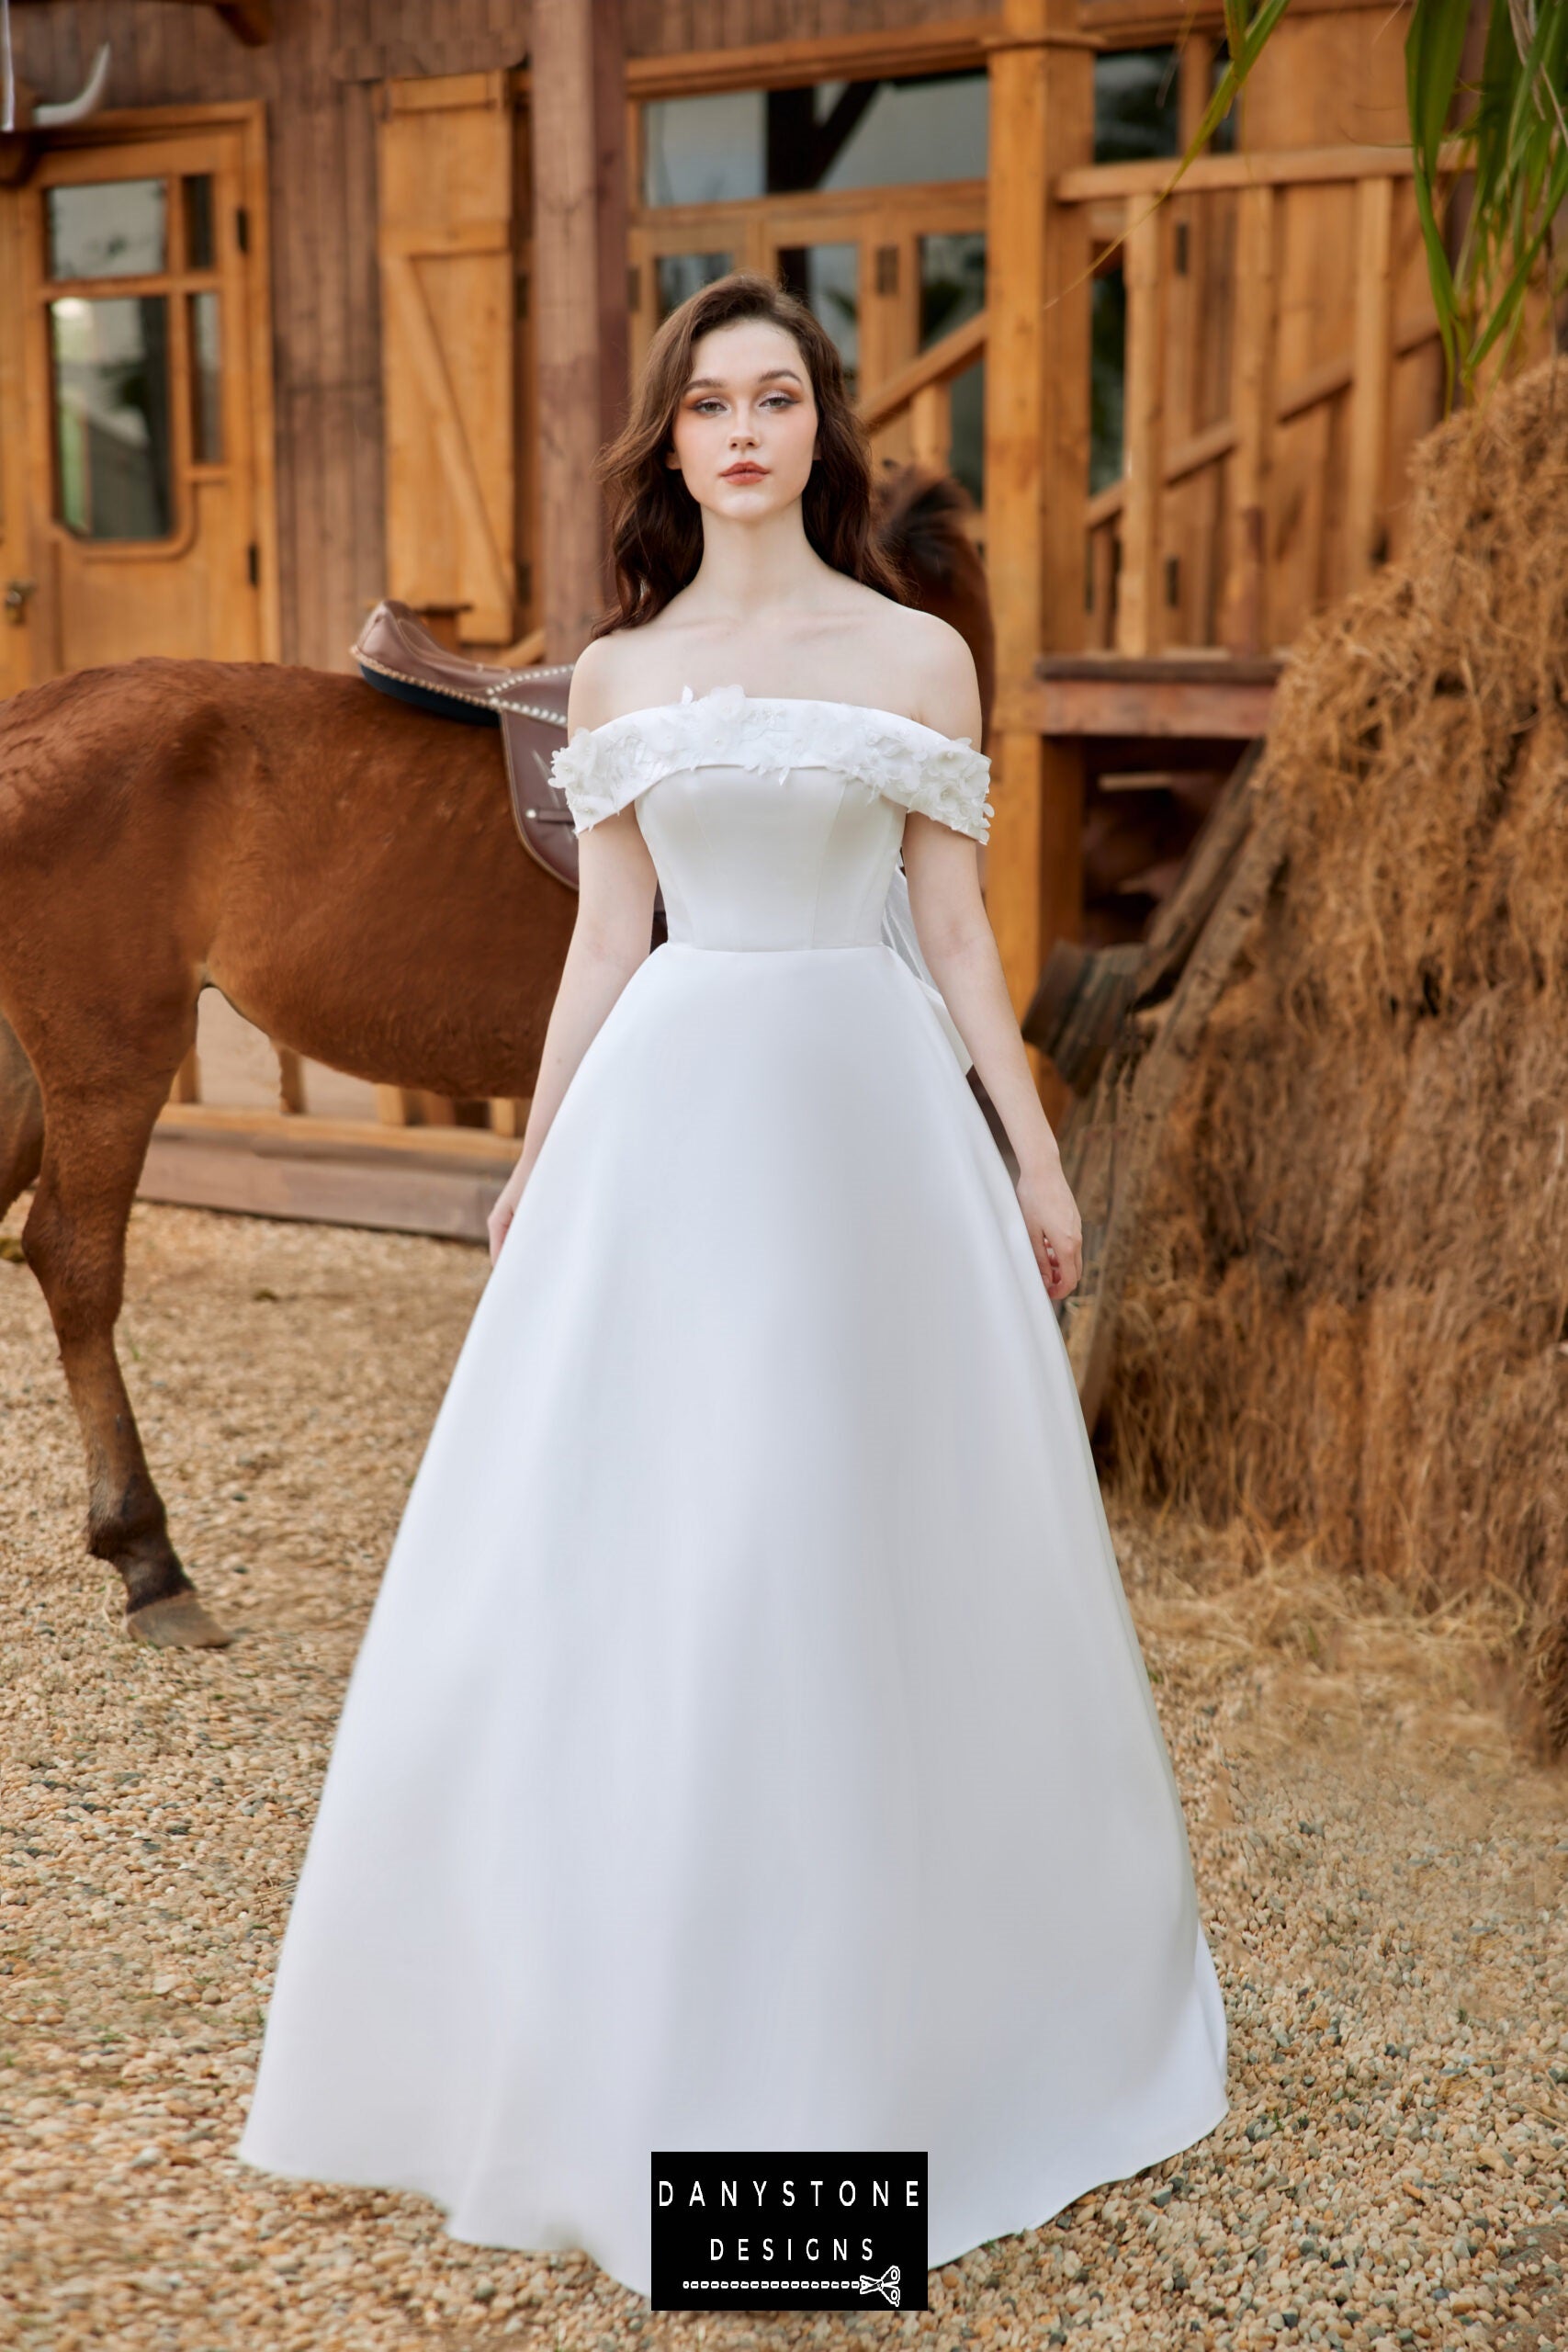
(656, 529)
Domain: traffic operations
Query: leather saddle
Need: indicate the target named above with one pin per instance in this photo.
(397, 654)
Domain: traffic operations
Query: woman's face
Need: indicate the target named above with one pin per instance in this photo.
(745, 429)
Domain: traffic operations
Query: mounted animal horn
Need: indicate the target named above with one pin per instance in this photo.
(86, 101)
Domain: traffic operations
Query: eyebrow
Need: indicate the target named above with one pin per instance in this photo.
(715, 383)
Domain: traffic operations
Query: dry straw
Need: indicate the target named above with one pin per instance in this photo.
(1349, 1319)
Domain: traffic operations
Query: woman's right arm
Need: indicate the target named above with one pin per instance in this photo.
(609, 940)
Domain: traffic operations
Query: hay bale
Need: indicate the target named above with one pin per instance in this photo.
(1347, 1319)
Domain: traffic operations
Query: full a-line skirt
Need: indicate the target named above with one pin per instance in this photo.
(749, 1746)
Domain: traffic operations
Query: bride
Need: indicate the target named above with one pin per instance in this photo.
(749, 1747)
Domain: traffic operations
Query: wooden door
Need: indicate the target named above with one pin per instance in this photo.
(448, 273)
(146, 480)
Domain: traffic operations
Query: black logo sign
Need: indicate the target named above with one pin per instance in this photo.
(803, 2233)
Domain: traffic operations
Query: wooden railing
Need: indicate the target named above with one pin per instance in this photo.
(1280, 358)
(924, 390)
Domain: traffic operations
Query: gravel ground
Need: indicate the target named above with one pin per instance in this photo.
(1382, 1867)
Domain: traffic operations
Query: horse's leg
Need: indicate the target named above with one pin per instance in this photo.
(96, 1139)
(21, 1119)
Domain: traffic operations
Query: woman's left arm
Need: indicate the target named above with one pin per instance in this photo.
(957, 942)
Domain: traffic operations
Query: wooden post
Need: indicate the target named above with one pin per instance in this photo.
(1369, 384)
(577, 99)
(1256, 358)
(1138, 597)
(930, 420)
(1041, 121)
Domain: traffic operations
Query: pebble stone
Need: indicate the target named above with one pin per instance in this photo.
(1381, 1864)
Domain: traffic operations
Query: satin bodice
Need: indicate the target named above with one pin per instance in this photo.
(804, 862)
(773, 823)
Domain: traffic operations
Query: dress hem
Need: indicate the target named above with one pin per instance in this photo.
(935, 2260)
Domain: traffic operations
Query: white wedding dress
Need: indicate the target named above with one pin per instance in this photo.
(749, 1746)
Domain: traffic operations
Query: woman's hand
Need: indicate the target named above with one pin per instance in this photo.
(1052, 1216)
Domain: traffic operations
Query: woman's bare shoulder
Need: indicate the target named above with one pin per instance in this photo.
(595, 678)
(930, 670)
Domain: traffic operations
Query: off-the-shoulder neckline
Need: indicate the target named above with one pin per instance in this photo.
(774, 702)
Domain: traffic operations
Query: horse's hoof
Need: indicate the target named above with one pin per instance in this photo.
(178, 1622)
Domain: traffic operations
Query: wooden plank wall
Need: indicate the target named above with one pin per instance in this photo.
(318, 75)
(1337, 78)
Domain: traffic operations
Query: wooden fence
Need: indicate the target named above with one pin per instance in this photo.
(1280, 357)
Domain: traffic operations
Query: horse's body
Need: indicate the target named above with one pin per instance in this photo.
(342, 867)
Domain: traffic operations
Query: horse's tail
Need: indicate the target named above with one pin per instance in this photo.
(919, 522)
(21, 1119)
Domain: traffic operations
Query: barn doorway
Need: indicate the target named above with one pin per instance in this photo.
(137, 469)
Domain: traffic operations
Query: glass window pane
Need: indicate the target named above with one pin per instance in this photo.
(205, 382)
(1223, 140)
(953, 288)
(200, 249)
(827, 278)
(745, 143)
(117, 229)
(1108, 368)
(953, 283)
(1136, 105)
(676, 276)
(967, 459)
(893, 132)
(703, 151)
(111, 416)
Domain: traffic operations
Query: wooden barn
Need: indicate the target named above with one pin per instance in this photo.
(306, 302)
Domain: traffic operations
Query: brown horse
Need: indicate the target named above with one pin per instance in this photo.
(344, 868)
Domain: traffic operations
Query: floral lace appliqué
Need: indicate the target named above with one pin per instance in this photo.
(603, 768)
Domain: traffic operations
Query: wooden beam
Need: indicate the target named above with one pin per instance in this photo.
(1177, 667)
(1255, 346)
(282, 1131)
(931, 428)
(612, 201)
(1042, 119)
(938, 366)
(1133, 24)
(954, 46)
(433, 1184)
(1138, 592)
(577, 100)
(1275, 167)
(1373, 370)
(1200, 708)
